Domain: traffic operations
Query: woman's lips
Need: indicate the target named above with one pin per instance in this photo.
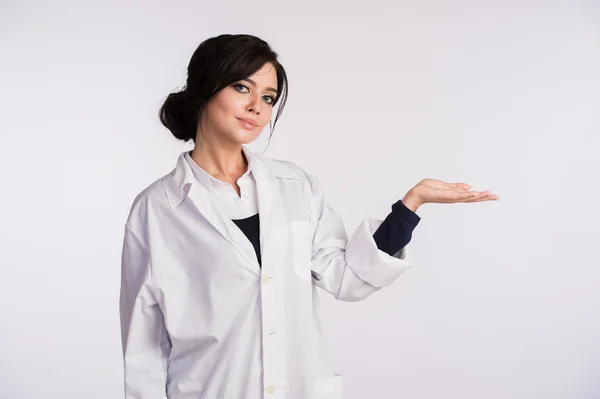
(247, 123)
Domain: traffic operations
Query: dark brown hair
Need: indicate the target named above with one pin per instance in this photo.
(217, 63)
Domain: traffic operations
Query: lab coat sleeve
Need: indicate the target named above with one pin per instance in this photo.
(144, 339)
(351, 269)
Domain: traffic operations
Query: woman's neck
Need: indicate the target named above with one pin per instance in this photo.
(227, 165)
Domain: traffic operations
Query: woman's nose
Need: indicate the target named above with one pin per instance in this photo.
(254, 104)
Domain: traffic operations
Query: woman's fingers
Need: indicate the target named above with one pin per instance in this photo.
(441, 191)
(436, 183)
(467, 196)
(461, 186)
(458, 195)
(455, 195)
(484, 196)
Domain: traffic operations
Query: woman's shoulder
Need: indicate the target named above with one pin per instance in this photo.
(150, 197)
(155, 196)
(294, 169)
(284, 167)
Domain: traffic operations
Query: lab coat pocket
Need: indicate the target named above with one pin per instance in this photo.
(302, 243)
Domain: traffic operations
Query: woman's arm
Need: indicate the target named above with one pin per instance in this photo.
(396, 230)
(376, 253)
(351, 269)
(144, 338)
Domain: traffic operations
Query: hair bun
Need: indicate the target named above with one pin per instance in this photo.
(177, 115)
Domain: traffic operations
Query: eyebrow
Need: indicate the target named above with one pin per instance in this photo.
(254, 84)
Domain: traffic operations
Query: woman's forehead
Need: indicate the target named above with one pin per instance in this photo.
(265, 76)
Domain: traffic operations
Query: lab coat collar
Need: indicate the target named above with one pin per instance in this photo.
(181, 184)
(177, 183)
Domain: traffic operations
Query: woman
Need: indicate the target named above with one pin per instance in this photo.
(222, 256)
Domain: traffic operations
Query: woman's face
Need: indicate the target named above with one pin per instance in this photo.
(239, 112)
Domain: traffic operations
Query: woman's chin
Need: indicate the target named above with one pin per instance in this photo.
(247, 137)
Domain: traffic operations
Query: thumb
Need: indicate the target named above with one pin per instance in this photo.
(462, 186)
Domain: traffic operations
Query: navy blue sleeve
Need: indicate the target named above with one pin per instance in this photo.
(396, 230)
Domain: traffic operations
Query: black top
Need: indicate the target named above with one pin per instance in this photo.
(250, 227)
(391, 236)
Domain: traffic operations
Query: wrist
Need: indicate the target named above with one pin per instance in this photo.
(411, 201)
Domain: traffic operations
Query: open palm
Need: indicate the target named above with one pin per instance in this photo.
(437, 191)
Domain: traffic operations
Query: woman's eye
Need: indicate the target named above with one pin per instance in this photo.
(238, 86)
(243, 89)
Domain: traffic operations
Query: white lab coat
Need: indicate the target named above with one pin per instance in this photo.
(201, 319)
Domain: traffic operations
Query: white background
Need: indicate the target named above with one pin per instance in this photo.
(504, 298)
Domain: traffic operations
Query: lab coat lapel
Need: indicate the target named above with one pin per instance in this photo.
(181, 183)
(227, 228)
(272, 215)
(265, 189)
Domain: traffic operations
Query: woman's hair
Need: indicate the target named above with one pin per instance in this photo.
(218, 62)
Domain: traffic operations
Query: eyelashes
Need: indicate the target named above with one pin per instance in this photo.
(239, 87)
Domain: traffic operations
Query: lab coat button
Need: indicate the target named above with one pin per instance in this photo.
(265, 279)
(271, 390)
